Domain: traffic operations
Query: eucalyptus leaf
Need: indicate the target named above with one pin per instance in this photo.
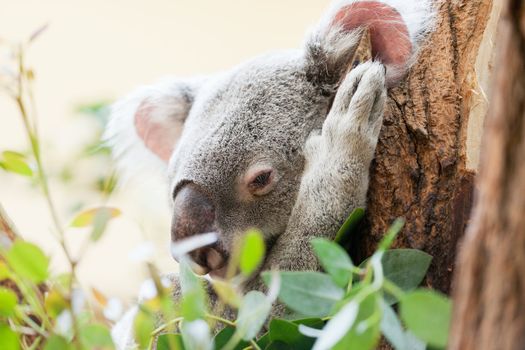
(87, 217)
(8, 301)
(392, 329)
(308, 293)
(252, 252)
(96, 336)
(100, 223)
(334, 259)
(170, 341)
(365, 332)
(56, 342)
(355, 326)
(28, 261)
(8, 338)
(227, 292)
(406, 268)
(427, 314)
(194, 302)
(16, 163)
(143, 325)
(55, 302)
(4, 271)
(222, 338)
(348, 229)
(196, 335)
(287, 332)
(253, 312)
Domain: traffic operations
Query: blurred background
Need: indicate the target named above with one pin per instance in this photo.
(92, 53)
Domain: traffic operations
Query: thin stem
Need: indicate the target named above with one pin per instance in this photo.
(44, 182)
(35, 344)
(37, 328)
(220, 319)
(162, 328)
(254, 345)
(34, 302)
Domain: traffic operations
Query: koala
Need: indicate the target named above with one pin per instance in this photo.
(282, 143)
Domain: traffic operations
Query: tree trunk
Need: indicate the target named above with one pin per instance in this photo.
(490, 282)
(420, 168)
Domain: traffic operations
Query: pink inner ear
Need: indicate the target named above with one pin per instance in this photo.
(388, 33)
(157, 136)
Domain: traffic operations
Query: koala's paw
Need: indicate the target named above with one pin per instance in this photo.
(355, 119)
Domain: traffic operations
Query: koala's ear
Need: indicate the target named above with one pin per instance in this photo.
(396, 28)
(144, 127)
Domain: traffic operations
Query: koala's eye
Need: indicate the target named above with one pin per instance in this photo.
(262, 179)
(261, 182)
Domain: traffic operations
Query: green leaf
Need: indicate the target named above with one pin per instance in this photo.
(354, 326)
(252, 252)
(16, 163)
(96, 336)
(413, 342)
(56, 342)
(8, 301)
(288, 333)
(227, 292)
(170, 341)
(263, 342)
(196, 335)
(391, 328)
(308, 293)
(253, 312)
(224, 336)
(284, 330)
(143, 325)
(312, 322)
(100, 222)
(87, 217)
(8, 338)
(406, 268)
(427, 314)
(55, 302)
(28, 261)
(391, 234)
(347, 230)
(194, 303)
(4, 271)
(334, 260)
(365, 331)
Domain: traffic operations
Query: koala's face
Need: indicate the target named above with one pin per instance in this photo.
(239, 161)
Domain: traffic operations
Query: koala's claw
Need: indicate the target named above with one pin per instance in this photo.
(359, 103)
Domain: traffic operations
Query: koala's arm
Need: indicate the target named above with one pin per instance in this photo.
(335, 180)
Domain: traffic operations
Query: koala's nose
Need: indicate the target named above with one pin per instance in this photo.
(194, 213)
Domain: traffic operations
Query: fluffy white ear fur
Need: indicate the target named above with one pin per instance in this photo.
(144, 125)
(417, 15)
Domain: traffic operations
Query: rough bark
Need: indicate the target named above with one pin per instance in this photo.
(490, 282)
(419, 172)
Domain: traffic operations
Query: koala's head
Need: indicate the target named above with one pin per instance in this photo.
(232, 143)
